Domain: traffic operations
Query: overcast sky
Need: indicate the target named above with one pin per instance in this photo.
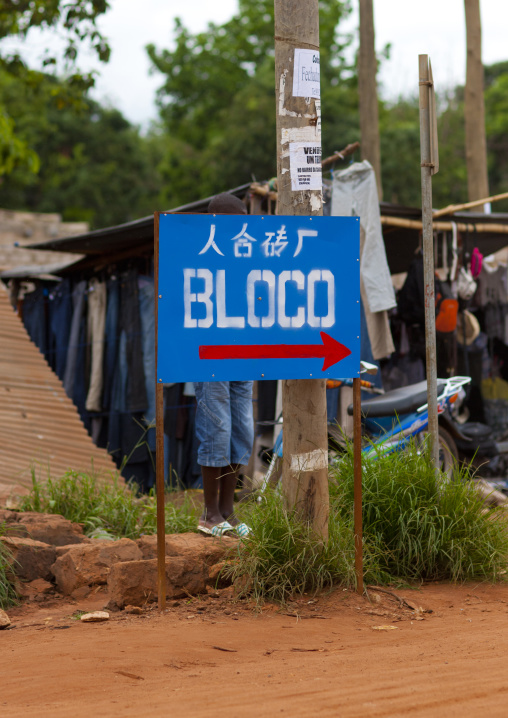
(436, 28)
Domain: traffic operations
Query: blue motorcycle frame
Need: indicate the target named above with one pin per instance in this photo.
(387, 429)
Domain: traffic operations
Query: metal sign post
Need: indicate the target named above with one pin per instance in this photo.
(159, 443)
(357, 454)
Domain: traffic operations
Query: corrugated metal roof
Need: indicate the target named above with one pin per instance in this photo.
(123, 237)
(42, 271)
(39, 424)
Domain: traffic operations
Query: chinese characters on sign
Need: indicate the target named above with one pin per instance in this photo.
(271, 247)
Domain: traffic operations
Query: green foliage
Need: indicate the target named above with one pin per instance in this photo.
(217, 108)
(415, 528)
(422, 528)
(218, 99)
(399, 131)
(106, 510)
(8, 594)
(400, 144)
(14, 152)
(94, 166)
(76, 22)
(281, 557)
(496, 120)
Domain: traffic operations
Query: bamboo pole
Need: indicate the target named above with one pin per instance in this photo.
(452, 208)
(349, 150)
(428, 254)
(444, 226)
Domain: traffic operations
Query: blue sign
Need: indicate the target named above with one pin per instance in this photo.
(250, 297)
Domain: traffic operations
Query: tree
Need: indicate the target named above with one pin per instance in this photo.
(217, 101)
(367, 86)
(77, 20)
(94, 165)
(474, 108)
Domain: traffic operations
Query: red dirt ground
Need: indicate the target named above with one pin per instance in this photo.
(323, 659)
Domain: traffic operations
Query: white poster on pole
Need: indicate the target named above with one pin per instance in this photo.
(305, 165)
(306, 78)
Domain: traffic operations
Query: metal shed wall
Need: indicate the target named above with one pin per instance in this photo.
(39, 424)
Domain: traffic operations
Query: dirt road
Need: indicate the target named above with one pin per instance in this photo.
(325, 659)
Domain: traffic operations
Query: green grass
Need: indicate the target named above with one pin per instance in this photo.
(281, 557)
(423, 528)
(106, 510)
(7, 590)
(415, 528)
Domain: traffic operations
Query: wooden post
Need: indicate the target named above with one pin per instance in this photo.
(428, 254)
(474, 106)
(305, 464)
(357, 454)
(367, 91)
(159, 442)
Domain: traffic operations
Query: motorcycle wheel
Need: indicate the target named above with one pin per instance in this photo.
(448, 452)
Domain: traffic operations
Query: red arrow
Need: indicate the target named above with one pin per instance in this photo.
(331, 350)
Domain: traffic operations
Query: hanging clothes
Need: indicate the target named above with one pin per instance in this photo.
(78, 312)
(354, 192)
(95, 338)
(130, 326)
(60, 318)
(147, 317)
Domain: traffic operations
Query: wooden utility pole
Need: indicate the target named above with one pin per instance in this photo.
(305, 464)
(367, 89)
(474, 107)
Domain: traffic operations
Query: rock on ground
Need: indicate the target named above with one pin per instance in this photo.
(11, 496)
(34, 590)
(204, 549)
(217, 577)
(5, 621)
(52, 529)
(135, 610)
(95, 617)
(135, 582)
(90, 564)
(32, 559)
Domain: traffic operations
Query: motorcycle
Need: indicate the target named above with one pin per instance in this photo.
(395, 418)
(391, 420)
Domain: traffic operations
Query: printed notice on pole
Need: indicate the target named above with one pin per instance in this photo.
(305, 165)
(306, 79)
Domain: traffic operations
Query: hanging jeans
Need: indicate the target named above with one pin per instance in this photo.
(146, 310)
(130, 324)
(60, 318)
(95, 337)
(34, 318)
(112, 339)
(78, 308)
(118, 401)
